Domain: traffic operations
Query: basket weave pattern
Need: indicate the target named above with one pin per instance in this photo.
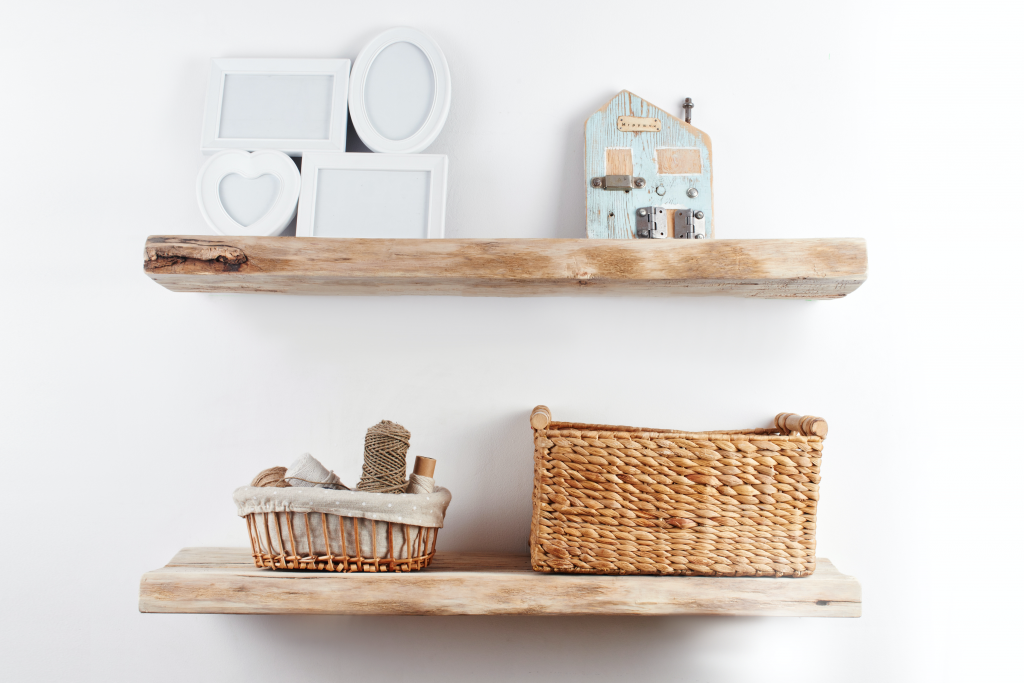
(276, 545)
(623, 500)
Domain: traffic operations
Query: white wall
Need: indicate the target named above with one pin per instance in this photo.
(899, 123)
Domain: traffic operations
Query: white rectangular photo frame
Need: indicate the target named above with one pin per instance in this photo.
(290, 105)
(372, 195)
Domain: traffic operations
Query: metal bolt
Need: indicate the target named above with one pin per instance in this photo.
(596, 182)
(699, 215)
(660, 190)
(687, 108)
(642, 212)
(692, 192)
(698, 236)
(639, 182)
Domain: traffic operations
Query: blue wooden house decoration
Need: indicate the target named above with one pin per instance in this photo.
(640, 158)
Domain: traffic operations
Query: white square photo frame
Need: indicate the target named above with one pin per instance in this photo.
(372, 195)
(290, 105)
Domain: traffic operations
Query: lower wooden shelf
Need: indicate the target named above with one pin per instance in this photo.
(225, 581)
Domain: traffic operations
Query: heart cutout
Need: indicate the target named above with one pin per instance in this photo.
(247, 200)
(248, 194)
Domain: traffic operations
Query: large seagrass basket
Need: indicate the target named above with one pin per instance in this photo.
(626, 500)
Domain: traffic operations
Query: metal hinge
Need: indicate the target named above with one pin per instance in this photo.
(652, 223)
(621, 183)
(689, 224)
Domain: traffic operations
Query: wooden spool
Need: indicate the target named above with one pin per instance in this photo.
(424, 467)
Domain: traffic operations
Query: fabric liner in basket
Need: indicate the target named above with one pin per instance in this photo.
(382, 531)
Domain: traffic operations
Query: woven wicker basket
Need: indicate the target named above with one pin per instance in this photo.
(623, 500)
(302, 540)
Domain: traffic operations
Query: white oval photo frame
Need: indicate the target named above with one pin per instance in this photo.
(435, 120)
(251, 166)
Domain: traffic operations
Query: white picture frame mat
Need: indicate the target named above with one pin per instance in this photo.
(372, 195)
(281, 106)
(298, 103)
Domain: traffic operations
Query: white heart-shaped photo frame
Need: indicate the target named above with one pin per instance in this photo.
(250, 166)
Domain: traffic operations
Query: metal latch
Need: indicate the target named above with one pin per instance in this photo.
(689, 224)
(621, 183)
(651, 223)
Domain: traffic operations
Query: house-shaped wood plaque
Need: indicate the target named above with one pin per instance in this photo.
(631, 138)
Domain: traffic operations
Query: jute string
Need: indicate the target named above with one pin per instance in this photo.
(420, 484)
(384, 458)
(272, 476)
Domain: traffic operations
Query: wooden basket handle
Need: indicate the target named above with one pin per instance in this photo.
(808, 425)
(540, 417)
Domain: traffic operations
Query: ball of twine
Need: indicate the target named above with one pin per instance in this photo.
(272, 476)
(384, 458)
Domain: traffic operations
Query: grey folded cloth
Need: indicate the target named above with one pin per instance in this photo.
(308, 472)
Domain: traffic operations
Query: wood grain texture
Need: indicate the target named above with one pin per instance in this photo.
(224, 581)
(678, 161)
(612, 215)
(618, 161)
(773, 269)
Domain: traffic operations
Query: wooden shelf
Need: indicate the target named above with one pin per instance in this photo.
(225, 581)
(769, 269)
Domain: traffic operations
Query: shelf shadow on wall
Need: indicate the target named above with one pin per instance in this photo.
(503, 648)
(573, 194)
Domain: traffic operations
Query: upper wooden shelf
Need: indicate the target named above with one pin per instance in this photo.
(767, 269)
(225, 581)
